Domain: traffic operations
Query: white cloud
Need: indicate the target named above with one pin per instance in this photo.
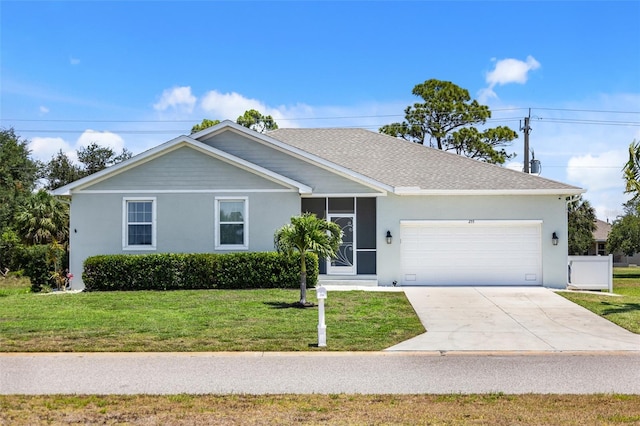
(600, 174)
(507, 71)
(106, 139)
(229, 106)
(511, 71)
(44, 109)
(597, 172)
(484, 95)
(44, 149)
(74, 61)
(604, 200)
(178, 98)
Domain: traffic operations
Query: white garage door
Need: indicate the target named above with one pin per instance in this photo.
(471, 252)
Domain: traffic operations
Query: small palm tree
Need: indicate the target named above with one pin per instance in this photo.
(307, 233)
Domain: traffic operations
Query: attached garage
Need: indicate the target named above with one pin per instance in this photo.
(480, 252)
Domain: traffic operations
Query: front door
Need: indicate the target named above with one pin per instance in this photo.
(344, 263)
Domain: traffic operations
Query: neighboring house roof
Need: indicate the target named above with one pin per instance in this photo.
(602, 230)
(412, 168)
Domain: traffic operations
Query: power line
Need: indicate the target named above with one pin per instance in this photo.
(603, 122)
(575, 121)
(583, 167)
(45, 120)
(589, 110)
(179, 131)
(367, 126)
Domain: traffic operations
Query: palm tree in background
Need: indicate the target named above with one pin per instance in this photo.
(631, 170)
(307, 233)
(42, 219)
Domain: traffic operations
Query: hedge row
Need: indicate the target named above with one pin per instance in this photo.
(196, 271)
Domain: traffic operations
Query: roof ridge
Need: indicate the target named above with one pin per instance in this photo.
(408, 164)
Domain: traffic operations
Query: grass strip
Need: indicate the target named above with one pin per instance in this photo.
(493, 409)
(622, 309)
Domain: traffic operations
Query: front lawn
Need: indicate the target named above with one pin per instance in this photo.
(199, 320)
(623, 309)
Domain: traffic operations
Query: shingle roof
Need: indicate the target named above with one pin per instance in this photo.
(602, 230)
(403, 164)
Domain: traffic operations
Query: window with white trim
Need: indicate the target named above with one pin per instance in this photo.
(139, 231)
(231, 223)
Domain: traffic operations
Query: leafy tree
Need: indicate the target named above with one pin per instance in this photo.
(625, 235)
(43, 219)
(632, 206)
(445, 121)
(251, 119)
(18, 175)
(205, 124)
(61, 171)
(254, 120)
(581, 219)
(95, 158)
(625, 231)
(11, 251)
(307, 233)
(26, 218)
(631, 169)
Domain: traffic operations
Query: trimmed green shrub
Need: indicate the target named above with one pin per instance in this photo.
(35, 261)
(175, 271)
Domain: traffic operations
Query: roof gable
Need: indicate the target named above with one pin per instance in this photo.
(186, 169)
(168, 147)
(291, 150)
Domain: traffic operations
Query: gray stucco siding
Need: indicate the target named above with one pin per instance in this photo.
(321, 180)
(186, 169)
(185, 223)
(551, 210)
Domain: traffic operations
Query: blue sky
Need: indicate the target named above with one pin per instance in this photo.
(136, 74)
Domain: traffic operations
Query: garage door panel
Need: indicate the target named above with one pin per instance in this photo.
(490, 253)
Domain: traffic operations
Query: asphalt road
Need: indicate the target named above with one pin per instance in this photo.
(323, 373)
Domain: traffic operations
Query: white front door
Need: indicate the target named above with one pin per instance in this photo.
(344, 263)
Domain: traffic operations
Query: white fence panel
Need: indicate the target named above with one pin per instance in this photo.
(591, 272)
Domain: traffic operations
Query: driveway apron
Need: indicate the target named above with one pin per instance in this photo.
(509, 319)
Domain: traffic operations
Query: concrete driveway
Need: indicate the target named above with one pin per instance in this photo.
(509, 319)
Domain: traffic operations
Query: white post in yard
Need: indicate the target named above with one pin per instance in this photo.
(321, 294)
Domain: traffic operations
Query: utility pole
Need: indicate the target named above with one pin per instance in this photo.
(526, 130)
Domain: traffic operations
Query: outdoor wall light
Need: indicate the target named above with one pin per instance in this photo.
(554, 239)
(389, 237)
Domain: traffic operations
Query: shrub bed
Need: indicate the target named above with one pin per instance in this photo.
(175, 271)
